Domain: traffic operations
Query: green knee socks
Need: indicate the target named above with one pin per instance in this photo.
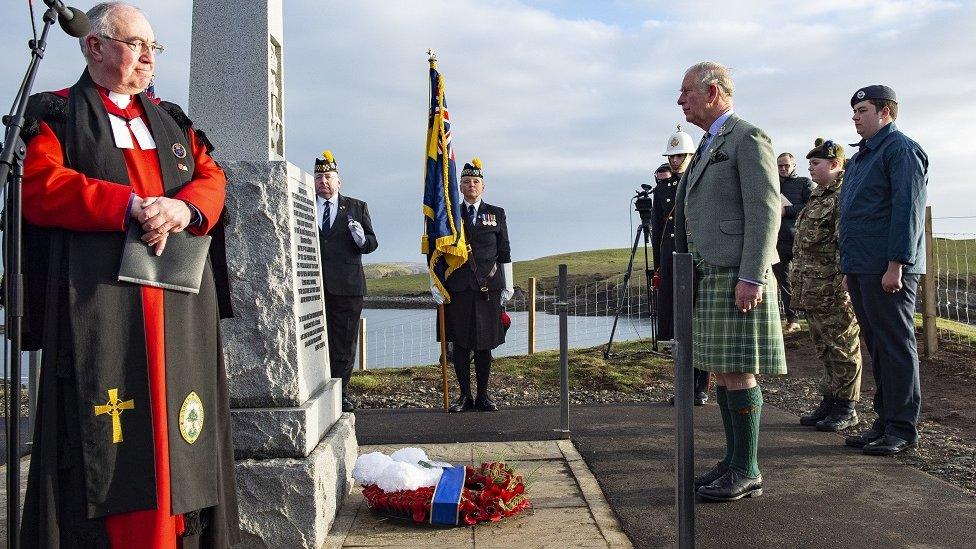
(723, 405)
(745, 407)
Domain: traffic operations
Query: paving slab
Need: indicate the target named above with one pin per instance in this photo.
(818, 493)
(561, 515)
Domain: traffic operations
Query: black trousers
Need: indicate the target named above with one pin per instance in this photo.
(342, 320)
(781, 271)
(462, 368)
(887, 325)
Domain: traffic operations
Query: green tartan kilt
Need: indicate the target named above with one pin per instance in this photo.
(726, 340)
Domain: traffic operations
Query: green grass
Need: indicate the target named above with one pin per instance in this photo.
(628, 369)
(588, 265)
(956, 258)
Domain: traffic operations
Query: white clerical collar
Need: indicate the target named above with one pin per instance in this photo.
(120, 99)
(121, 127)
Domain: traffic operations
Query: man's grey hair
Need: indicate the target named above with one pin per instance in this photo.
(103, 22)
(786, 155)
(709, 72)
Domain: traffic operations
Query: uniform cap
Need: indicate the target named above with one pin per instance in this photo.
(828, 150)
(874, 91)
(473, 168)
(326, 164)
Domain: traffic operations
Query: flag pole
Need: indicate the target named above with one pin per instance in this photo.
(441, 327)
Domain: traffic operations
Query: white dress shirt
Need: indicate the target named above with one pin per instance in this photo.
(320, 210)
(476, 205)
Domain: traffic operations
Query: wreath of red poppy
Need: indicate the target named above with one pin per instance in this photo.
(491, 492)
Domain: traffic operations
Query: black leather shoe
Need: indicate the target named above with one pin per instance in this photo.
(711, 475)
(887, 445)
(821, 413)
(462, 403)
(348, 404)
(842, 416)
(486, 404)
(671, 400)
(732, 486)
(859, 441)
(701, 398)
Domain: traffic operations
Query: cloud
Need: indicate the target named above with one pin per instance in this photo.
(570, 109)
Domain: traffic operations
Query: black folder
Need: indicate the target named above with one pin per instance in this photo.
(180, 267)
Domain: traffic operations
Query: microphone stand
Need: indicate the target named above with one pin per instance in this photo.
(11, 173)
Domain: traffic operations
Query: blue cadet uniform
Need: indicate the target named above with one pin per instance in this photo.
(882, 212)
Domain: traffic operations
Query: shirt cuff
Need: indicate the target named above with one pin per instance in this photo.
(128, 212)
(750, 281)
(196, 218)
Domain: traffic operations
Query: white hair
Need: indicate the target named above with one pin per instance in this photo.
(709, 72)
(103, 21)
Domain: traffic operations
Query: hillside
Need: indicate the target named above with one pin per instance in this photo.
(583, 266)
(386, 270)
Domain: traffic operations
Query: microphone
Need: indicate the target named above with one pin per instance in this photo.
(72, 20)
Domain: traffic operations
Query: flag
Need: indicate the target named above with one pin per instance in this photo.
(443, 241)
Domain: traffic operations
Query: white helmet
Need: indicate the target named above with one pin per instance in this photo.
(680, 143)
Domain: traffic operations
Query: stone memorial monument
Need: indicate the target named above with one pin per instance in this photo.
(294, 447)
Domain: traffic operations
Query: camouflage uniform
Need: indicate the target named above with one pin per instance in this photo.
(818, 290)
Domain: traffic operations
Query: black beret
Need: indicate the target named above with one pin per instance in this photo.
(874, 91)
(663, 168)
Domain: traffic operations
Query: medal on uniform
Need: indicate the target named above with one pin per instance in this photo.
(191, 418)
(179, 150)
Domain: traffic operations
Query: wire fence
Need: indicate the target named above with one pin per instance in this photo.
(953, 262)
(408, 337)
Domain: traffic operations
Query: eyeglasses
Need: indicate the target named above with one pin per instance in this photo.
(139, 46)
(783, 165)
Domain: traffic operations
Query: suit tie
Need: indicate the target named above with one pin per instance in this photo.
(326, 216)
(471, 214)
(698, 152)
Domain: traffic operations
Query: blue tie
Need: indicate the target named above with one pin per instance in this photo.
(326, 216)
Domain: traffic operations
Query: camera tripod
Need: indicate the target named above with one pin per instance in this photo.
(644, 229)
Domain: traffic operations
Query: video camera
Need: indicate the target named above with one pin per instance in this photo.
(643, 203)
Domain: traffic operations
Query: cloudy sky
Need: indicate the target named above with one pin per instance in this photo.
(569, 104)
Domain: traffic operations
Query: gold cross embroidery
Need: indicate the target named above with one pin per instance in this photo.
(114, 408)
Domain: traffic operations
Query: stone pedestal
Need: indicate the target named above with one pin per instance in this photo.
(295, 449)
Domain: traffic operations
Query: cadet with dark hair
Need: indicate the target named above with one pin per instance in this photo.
(882, 254)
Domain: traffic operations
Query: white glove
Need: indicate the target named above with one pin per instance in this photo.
(358, 235)
(509, 290)
(438, 298)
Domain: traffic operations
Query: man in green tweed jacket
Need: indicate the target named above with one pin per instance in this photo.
(727, 214)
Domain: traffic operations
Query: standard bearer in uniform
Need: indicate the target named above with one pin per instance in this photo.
(478, 288)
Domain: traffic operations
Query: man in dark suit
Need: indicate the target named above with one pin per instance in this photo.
(797, 190)
(477, 290)
(345, 234)
(882, 255)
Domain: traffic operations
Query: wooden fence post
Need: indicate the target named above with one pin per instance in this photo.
(362, 344)
(930, 310)
(531, 306)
